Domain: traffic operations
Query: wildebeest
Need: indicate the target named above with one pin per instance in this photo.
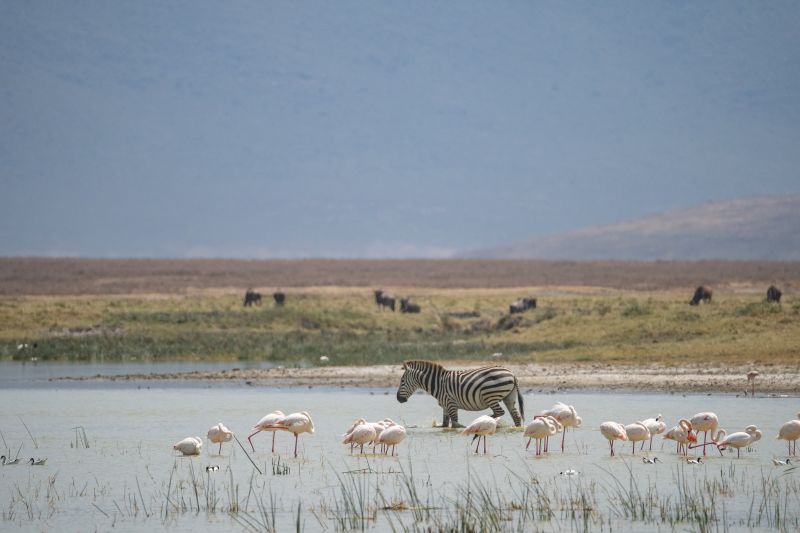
(407, 306)
(384, 299)
(522, 305)
(701, 293)
(252, 297)
(279, 297)
(773, 294)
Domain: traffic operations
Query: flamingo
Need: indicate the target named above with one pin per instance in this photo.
(566, 416)
(751, 377)
(392, 435)
(655, 426)
(219, 434)
(379, 427)
(37, 462)
(361, 434)
(189, 446)
(790, 432)
(296, 423)
(705, 422)
(613, 431)
(682, 434)
(740, 439)
(481, 427)
(637, 432)
(540, 428)
(266, 424)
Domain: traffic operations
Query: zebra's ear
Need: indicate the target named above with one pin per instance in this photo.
(404, 365)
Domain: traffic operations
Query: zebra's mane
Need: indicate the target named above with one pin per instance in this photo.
(417, 364)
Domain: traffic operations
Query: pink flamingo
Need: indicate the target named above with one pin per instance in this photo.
(481, 427)
(613, 431)
(682, 434)
(790, 432)
(392, 435)
(266, 424)
(705, 422)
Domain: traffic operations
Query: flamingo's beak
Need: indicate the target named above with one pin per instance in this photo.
(692, 438)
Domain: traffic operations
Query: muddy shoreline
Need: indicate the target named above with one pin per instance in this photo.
(541, 378)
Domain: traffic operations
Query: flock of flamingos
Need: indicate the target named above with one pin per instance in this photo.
(544, 425)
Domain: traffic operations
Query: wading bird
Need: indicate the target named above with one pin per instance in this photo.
(697, 461)
(655, 426)
(636, 432)
(566, 416)
(707, 423)
(361, 434)
(392, 435)
(740, 439)
(219, 434)
(649, 461)
(37, 462)
(189, 446)
(8, 463)
(613, 431)
(267, 424)
(790, 432)
(296, 423)
(778, 462)
(539, 429)
(481, 427)
(682, 434)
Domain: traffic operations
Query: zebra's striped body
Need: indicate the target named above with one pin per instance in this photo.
(471, 390)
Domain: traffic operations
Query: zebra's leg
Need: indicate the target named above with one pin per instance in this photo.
(497, 411)
(445, 419)
(452, 411)
(511, 405)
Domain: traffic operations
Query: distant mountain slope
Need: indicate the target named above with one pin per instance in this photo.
(759, 228)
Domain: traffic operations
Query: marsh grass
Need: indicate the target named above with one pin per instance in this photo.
(580, 325)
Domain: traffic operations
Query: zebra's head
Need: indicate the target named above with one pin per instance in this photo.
(408, 384)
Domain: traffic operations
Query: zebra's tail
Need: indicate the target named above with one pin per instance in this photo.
(521, 403)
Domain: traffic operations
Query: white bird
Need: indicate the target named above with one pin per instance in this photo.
(569, 472)
(778, 462)
(219, 434)
(637, 432)
(296, 423)
(566, 416)
(324, 359)
(37, 462)
(392, 435)
(212, 468)
(189, 446)
(481, 427)
(267, 424)
(649, 461)
(656, 426)
(539, 429)
(613, 431)
(7, 463)
(705, 422)
(790, 432)
(697, 461)
(682, 434)
(361, 434)
(740, 439)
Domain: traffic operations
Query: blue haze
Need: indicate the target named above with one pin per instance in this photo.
(264, 129)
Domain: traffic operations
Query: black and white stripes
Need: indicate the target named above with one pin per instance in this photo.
(471, 390)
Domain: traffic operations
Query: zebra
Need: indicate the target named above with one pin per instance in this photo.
(471, 390)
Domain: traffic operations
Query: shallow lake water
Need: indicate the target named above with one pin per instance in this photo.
(130, 479)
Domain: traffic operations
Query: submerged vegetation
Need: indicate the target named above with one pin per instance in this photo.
(580, 324)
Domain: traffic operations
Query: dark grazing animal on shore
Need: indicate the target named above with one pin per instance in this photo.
(701, 293)
(252, 297)
(522, 305)
(384, 299)
(472, 390)
(279, 297)
(407, 306)
(774, 294)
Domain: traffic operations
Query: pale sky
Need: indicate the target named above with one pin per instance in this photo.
(381, 129)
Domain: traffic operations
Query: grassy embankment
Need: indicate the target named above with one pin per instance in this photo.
(570, 325)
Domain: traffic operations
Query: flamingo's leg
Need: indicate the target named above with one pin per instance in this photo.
(530, 438)
(220, 449)
(251, 436)
(563, 436)
(273, 442)
(295, 444)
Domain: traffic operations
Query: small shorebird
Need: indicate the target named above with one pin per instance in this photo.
(212, 468)
(651, 461)
(37, 462)
(778, 462)
(698, 461)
